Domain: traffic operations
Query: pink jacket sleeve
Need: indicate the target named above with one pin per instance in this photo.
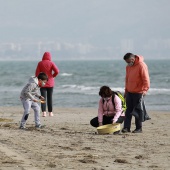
(100, 111)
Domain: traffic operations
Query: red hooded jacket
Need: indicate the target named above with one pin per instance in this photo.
(49, 68)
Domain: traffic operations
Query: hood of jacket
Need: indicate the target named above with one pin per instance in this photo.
(33, 79)
(138, 59)
(47, 56)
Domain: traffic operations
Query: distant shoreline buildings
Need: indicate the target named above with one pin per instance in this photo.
(63, 50)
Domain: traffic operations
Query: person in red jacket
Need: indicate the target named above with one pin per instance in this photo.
(51, 70)
(137, 83)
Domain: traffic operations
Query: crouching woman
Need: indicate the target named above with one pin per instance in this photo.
(109, 110)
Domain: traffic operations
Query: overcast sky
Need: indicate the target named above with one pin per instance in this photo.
(102, 23)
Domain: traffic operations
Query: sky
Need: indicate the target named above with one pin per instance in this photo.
(138, 26)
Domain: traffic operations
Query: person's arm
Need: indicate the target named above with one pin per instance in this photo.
(28, 91)
(145, 79)
(55, 69)
(118, 108)
(125, 84)
(100, 112)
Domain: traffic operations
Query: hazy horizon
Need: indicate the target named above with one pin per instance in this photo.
(83, 29)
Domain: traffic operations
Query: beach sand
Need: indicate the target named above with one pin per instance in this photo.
(69, 142)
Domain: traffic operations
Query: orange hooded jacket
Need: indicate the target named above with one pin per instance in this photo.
(137, 77)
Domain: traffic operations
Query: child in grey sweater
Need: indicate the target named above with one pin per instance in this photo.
(29, 98)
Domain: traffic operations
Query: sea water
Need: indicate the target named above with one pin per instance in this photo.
(78, 82)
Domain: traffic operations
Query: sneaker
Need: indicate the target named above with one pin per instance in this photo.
(44, 114)
(117, 132)
(51, 114)
(137, 130)
(22, 127)
(125, 130)
(38, 126)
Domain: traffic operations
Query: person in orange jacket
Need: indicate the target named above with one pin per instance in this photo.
(137, 83)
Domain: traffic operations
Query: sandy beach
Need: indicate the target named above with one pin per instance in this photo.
(69, 142)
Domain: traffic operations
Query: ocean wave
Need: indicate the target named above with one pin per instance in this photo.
(95, 89)
(65, 74)
(156, 91)
(80, 87)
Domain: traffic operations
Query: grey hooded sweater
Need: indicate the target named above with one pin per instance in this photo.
(30, 91)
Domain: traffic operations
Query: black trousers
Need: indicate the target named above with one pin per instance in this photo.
(47, 94)
(132, 100)
(106, 120)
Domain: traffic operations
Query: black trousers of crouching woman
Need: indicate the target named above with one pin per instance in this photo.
(106, 120)
(47, 94)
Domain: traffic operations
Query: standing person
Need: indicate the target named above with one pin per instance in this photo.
(29, 98)
(108, 113)
(137, 83)
(49, 68)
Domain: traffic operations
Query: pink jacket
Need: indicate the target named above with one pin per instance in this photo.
(48, 67)
(108, 109)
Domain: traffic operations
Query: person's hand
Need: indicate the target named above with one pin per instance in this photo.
(42, 98)
(35, 100)
(113, 122)
(100, 124)
(144, 93)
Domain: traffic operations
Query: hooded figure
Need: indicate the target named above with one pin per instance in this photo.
(51, 70)
(48, 67)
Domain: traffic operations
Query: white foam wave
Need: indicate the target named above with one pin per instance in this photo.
(94, 90)
(80, 87)
(66, 74)
(156, 91)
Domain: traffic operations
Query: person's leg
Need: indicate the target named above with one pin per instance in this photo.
(128, 116)
(120, 119)
(43, 105)
(94, 122)
(50, 99)
(136, 98)
(106, 120)
(36, 109)
(27, 106)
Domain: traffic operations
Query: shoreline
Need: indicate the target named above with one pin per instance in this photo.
(69, 142)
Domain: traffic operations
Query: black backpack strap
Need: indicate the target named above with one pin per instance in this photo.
(113, 97)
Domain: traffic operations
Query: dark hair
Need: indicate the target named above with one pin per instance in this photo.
(42, 76)
(128, 55)
(105, 91)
